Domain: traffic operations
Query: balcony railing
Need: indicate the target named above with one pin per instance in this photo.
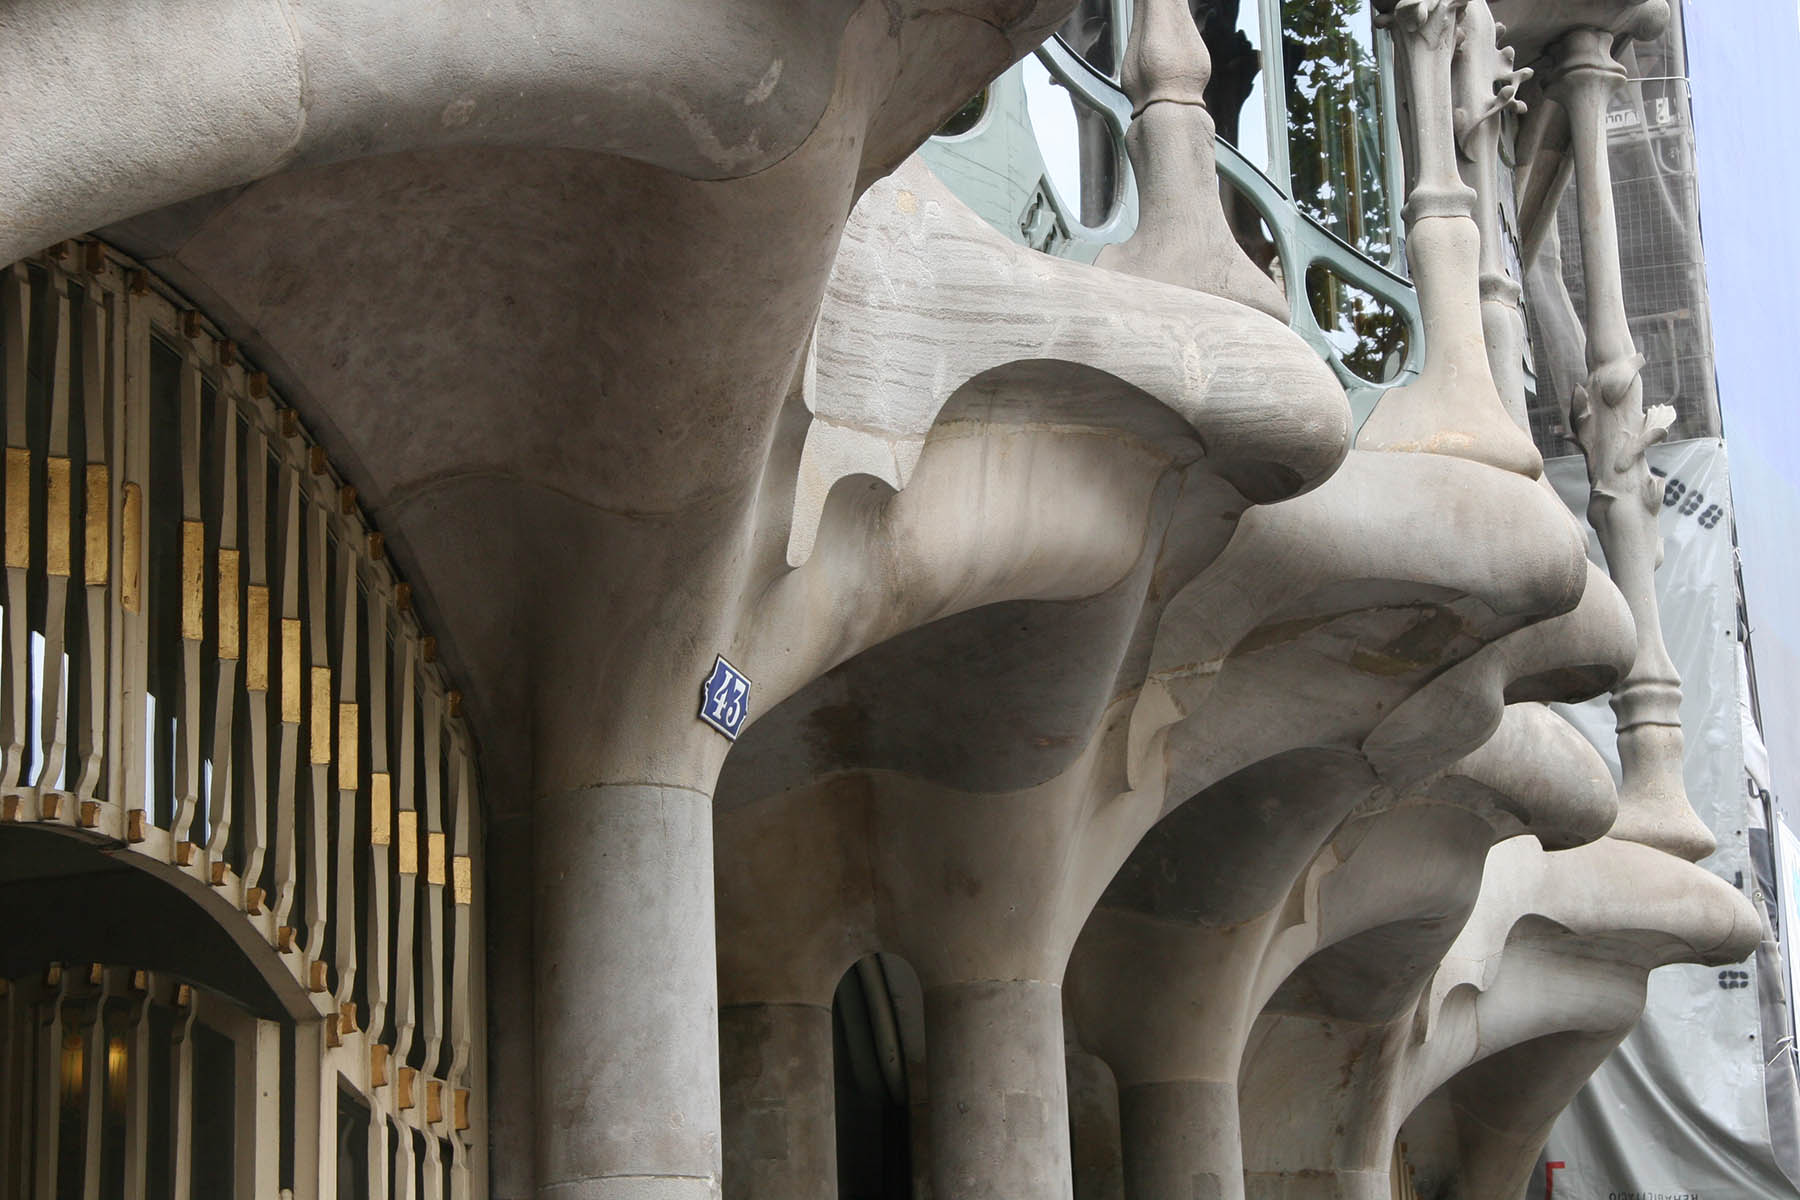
(1352, 303)
(209, 668)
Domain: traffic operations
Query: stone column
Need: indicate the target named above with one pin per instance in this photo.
(1094, 1128)
(1342, 1184)
(779, 1093)
(1614, 430)
(1181, 1140)
(1182, 235)
(1454, 407)
(999, 1105)
(1485, 85)
(627, 999)
(1169, 1003)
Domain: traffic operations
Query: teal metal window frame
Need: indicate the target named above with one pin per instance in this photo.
(1301, 242)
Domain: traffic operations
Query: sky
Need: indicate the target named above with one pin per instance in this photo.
(1741, 62)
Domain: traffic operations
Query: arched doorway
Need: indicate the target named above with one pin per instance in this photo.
(877, 1031)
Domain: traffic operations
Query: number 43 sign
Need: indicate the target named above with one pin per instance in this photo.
(725, 698)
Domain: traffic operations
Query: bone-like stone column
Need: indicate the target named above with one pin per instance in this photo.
(1614, 431)
(1182, 235)
(1546, 974)
(1168, 1004)
(1505, 1107)
(998, 1092)
(1487, 85)
(776, 1066)
(1171, 970)
(1453, 407)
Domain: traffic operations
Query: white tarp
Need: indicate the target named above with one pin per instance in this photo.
(1678, 1112)
(1789, 858)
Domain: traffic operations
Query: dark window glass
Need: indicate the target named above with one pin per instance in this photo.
(1252, 232)
(162, 585)
(215, 1113)
(966, 117)
(352, 1147)
(1092, 33)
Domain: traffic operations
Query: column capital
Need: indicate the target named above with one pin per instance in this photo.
(1533, 28)
(1433, 22)
(1582, 57)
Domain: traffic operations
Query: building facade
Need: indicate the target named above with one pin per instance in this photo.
(647, 602)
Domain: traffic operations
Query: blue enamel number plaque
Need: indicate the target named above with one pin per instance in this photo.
(725, 698)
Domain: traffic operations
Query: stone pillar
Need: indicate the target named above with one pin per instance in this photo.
(1094, 1128)
(1454, 407)
(1182, 235)
(1180, 1140)
(775, 1063)
(1345, 1184)
(999, 1105)
(1485, 85)
(1614, 430)
(627, 996)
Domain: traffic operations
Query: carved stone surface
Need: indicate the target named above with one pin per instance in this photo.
(1198, 762)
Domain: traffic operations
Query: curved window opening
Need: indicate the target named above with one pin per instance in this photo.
(877, 1033)
(1081, 159)
(1092, 32)
(965, 119)
(1251, 229)
(1369, 335)
(1336, 121)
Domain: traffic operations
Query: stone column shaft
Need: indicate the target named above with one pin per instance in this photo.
(1486, 85)
(1589, 76)
(1453, 407)
(1614, 430)
(627, 995)
(780, 1099)
(998, 1091)
(1321, 1185)
(1182, 1141)
(1094, 1128)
